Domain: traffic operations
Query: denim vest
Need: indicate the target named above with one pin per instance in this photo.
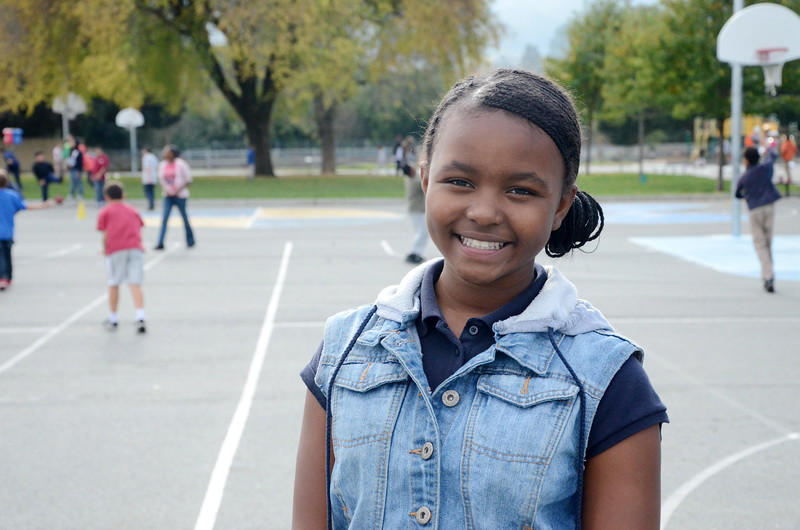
(494, 446)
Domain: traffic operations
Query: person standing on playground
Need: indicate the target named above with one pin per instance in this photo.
(481, 392)
(98, 174)
(75, 167)
(122, 244)
(415, 203)
(788, 152)
(755, 186)
(174, 176)
(12, 166)
(149, 176)
(11, 202)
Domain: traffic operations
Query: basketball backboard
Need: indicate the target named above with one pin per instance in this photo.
(760, 34)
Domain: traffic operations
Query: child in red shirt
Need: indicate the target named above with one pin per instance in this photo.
(122, 243)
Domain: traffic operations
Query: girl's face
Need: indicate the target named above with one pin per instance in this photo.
(494, 191)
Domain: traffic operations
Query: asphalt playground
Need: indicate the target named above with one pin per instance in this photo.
(195, 424)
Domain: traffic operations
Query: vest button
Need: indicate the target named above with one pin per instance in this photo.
(423, 515)
(450, 398)
(427, 451)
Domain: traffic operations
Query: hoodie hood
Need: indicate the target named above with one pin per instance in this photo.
(557, 306)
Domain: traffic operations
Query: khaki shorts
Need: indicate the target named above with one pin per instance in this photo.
(125, 266)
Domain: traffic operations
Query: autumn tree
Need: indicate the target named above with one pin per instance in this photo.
(589, 34)
(693, 80)
(632, 68)
(361, 41)
(49, 50)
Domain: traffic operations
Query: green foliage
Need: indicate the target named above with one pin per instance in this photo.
(589, 34)
(631, 69)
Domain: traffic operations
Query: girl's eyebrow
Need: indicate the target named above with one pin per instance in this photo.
(459, 166)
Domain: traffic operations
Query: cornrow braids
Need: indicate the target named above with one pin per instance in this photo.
(542, 102)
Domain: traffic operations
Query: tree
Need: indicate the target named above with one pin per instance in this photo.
(589, 35)
(631, 70)
(361, 41)
(694, 82)
(50, 48)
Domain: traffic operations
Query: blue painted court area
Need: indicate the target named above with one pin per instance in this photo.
(729, 254)
(643, 213)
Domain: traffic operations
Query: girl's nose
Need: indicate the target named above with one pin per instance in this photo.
(484, 209)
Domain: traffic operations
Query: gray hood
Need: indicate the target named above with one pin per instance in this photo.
(557, 306)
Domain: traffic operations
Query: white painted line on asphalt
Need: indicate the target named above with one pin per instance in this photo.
(669, 506)
(25, 330)
(41, 341)
(253, 218)
(219, 476)
(318, 324)
(63, 252)
(387, 248)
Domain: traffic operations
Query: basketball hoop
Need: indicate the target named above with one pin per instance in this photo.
(771, 63)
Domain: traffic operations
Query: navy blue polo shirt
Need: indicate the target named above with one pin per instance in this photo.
(629, 405)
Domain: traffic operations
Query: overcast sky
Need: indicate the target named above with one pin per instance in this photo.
(535, 22)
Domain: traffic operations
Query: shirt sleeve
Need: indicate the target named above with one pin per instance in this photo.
(310, 372)
(629, 405)
(101, 220)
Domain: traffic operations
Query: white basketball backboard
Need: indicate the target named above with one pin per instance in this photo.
(760, 34)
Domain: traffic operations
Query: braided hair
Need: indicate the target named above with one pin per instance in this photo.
(543, 103)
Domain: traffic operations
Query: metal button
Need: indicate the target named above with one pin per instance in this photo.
(473, 330)
(423, 515)
(427, 451)
(450, 398)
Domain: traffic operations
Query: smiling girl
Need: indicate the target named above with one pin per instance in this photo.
(481, 392)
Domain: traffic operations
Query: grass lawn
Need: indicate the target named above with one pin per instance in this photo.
(343, 186)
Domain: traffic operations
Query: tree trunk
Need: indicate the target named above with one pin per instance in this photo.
(325, 118)
(589, 138)
(721, 150)
(257, 123)
(258, 137)
(641, 146)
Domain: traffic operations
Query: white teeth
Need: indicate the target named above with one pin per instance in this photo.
(480, 245)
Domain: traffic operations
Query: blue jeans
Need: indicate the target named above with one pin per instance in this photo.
(5, 258)
(98, 191)
(149, 193)
(75, 184)
(169, 202)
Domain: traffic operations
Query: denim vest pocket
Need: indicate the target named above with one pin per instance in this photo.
(516, 423)
(366, 402)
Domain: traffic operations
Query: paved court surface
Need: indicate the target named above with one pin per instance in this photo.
(195, 424)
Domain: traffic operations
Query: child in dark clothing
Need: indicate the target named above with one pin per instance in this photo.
(45, 173)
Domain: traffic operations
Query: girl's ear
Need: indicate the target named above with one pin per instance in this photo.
(424, 174)
(564, 204)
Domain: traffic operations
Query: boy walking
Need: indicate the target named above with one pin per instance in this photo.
(122, 243)
(10, 203)
(755, 186)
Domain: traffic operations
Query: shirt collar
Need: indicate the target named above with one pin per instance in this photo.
(430, 312)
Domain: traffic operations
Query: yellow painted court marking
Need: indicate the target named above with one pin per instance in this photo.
(201, 222)
(323, 213)
(246, 221)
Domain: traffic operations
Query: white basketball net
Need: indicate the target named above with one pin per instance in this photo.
(772, 77)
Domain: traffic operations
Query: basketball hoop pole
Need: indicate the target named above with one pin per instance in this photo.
(736, 135)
